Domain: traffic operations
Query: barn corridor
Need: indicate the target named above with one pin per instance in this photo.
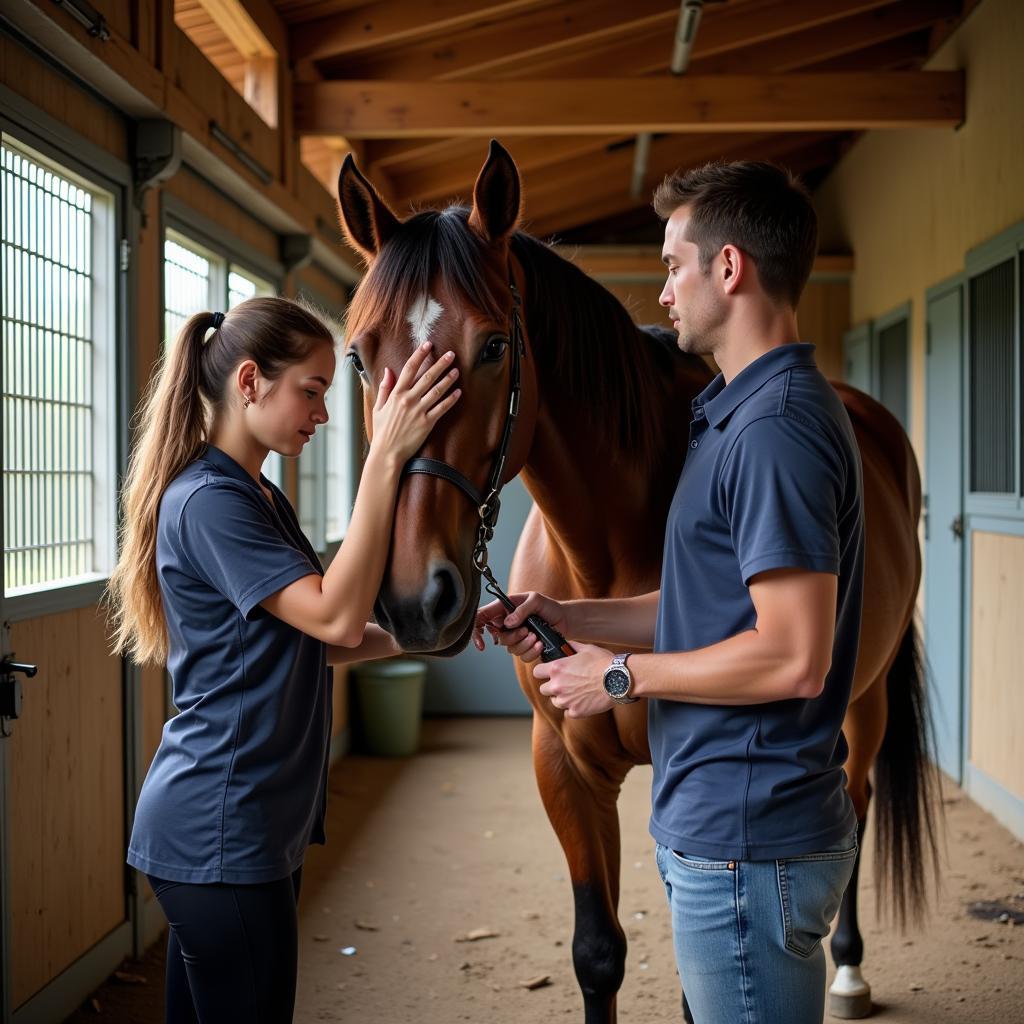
(426, 851)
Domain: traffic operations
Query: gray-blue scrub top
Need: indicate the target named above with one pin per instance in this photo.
(238, 787)
(772, 480)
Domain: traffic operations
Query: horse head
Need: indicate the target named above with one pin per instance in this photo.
(448, 277)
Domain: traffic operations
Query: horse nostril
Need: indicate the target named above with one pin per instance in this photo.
(443, 598)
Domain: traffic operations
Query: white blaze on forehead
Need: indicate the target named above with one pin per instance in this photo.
(422, 317)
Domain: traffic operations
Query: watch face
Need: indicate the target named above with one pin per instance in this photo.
(616, 683)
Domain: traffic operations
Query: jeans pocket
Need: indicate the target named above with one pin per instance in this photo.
(810, 890)
(701, 863)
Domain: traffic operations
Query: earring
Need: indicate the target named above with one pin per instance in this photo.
(247, 403)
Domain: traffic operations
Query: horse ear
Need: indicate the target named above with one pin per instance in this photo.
(365, 218)
(496, 195)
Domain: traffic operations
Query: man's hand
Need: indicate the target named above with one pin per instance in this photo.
(506, 628)
(576, 685)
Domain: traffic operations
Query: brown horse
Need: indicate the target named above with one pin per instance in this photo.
(604, 400)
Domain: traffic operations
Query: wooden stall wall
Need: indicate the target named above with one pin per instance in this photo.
(66, 790)
(997, 624)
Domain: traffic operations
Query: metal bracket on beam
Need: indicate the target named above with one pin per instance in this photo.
(296, 251)
(156, 156)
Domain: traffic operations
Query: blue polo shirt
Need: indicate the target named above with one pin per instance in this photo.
(772, 480)
(238, 787)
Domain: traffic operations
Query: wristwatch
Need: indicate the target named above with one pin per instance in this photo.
(618, 683)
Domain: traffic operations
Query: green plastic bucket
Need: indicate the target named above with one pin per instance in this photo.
(390, 705)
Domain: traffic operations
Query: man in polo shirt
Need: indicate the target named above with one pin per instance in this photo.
(755, 627)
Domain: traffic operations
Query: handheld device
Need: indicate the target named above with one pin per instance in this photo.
(555, 645)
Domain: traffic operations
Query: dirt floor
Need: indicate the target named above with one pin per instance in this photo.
(423, 852)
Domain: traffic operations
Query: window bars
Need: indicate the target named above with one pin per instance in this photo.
(49, 362)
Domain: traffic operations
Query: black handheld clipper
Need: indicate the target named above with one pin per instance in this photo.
(555, 645)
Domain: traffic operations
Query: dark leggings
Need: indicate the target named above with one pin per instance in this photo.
(232, 951)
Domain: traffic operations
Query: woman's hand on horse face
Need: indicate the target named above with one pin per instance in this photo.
(407, 408)
(576, 685)
(506, 627)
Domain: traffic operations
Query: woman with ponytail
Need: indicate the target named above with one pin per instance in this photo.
(217, 581)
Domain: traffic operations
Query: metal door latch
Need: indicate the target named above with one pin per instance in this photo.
(10, 691)
(957, 526)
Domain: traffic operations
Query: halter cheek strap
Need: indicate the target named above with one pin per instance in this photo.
(487, 501)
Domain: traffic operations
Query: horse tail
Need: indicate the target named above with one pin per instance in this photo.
(906, 785)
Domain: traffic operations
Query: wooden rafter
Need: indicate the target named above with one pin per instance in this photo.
(727, 103)
(824, 42)
(253, 27)
(537, 43)
(549, 214)
(393, 21)
(494, 47)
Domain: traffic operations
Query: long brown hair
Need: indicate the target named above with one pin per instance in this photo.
(173, 423)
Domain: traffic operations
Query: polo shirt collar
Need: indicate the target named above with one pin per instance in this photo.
(720, 400)
(227, 465)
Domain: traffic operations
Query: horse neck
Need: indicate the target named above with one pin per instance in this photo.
(603, 508)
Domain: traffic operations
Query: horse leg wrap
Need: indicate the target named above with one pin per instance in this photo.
(849, 998)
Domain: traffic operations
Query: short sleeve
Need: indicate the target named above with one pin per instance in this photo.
(235, 545)
(781, 488)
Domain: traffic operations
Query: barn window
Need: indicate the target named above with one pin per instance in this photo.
(327, 466)
(59, 407)
(197, 278)
(992, 380)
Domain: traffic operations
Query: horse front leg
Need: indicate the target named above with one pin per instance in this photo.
(580, 801)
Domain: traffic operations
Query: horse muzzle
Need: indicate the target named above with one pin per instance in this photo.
(437, 619)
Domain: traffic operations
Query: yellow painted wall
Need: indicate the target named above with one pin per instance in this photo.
(909, 204)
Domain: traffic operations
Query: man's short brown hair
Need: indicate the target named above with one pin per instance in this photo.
(758, 207)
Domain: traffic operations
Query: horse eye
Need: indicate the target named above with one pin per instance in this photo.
(494, 349)
(357, 363)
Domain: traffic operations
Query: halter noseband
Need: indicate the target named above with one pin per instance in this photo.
(487, 501)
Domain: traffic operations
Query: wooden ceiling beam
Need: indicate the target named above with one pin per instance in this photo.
(393, 21)
(609, 106)
(253, 27)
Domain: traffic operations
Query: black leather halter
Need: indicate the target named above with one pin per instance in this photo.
(487, 502)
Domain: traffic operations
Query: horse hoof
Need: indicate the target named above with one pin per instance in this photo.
(849, 998)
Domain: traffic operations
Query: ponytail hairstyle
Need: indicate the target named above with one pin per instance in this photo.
(188, 389)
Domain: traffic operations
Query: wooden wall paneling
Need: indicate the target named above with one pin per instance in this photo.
(39, 84)
(214, 206)
(27, 753)
(215, 99)
(997, 623)
(824, 316)
(62, 807)
(100, 783)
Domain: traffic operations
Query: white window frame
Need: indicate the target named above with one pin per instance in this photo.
(105, 180)
(226, 255)
(331, 446)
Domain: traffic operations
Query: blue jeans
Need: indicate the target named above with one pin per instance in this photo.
(748, 933)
